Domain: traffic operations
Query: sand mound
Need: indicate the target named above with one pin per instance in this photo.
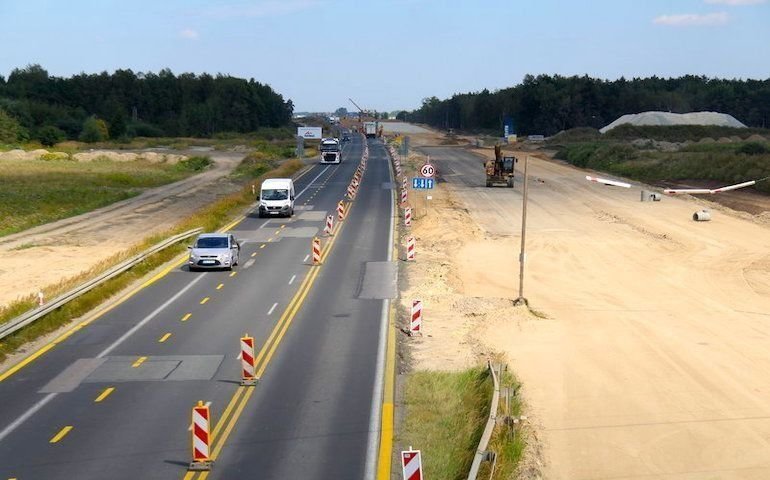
(151, 157)
(666, 118)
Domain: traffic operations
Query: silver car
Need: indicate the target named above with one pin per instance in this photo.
(214, 250)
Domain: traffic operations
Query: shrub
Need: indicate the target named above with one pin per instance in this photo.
(50, 135)
(194, 164)
(753, 148)
(10, 130)
(94, 130)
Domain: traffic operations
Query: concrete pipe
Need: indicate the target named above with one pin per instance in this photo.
(655, 197)
(645, 196)
(701, 216)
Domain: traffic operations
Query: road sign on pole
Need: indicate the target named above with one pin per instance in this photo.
(411, 464)
(419, 183)
(428, 170)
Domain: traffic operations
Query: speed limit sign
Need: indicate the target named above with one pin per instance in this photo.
(428, 170)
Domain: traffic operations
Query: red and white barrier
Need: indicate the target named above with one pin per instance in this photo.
(408, 216)
(40, 298)
(351, 192)
(403, 196)
(403, 183)
(201, 438)
(415, 322)
(248, 365)
(411, 464)
(329, 228)
(410, 250)
(341, 211)
(316, 251)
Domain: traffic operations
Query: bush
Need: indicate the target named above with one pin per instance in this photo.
(94, 130)
(141, 129)
(753, 148)
(194, 164)
(10, 130)
(50, 135)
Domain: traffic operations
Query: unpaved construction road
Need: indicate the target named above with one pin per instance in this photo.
(654, 361)
(48, 254)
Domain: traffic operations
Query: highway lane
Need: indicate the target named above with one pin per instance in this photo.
(138, 429)
(312, 409)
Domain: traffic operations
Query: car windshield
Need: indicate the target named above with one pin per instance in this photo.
(275, 194)
(211, 242)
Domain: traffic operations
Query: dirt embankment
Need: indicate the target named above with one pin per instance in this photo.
(46, 255)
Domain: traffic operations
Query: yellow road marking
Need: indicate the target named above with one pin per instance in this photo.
(186, 317)
(106, 393)
(203, 302)
(261, 246)
(386, 424)
(282, 226)
(139, 361)
(230, 425)
(277, 231)
(219, 287)
(64, 431)
(232, 274)
(164, 338)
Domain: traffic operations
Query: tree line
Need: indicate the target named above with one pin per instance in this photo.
(127, 104)
(548, 104)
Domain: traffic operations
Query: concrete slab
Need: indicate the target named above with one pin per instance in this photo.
(300, 232)
(72, 376)
(379, 281)
(314, 216)
(156, 368)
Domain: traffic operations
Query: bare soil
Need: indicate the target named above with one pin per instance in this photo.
(651, 360)
(39, 257)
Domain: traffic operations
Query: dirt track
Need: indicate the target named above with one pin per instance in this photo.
(654, 359)
(48, 254)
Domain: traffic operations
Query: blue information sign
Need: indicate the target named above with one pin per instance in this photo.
(422, 183)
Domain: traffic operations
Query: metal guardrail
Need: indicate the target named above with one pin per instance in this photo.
(35, 314)
(481, 451)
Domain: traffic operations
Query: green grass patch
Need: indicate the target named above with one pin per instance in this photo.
(445, 416)
(35, 192)
(210, 218)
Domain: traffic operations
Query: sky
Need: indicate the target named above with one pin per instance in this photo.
(390, 54)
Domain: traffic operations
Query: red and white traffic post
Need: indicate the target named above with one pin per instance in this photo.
(415, 321)
(341, 211)
(329, 228)
(351, 192)
(316, 251)
(403, 196)
(403, 183)
(407, 216)
(248, 365)
(411, 464)
(410, 250)
(201, 438)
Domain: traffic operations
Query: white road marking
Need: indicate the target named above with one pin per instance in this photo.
(248, 263)
(270, 312)
(306, 257)
(292, 279)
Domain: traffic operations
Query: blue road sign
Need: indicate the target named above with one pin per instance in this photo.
(422, 183)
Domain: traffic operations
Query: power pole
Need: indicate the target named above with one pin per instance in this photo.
(522, 253)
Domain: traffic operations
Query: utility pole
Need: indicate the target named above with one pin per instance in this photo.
(522, 254)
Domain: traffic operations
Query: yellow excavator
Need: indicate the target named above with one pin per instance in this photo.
(500, 170)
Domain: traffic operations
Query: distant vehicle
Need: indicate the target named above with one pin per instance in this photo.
(276, 197)
(500, 170)
(345, 137)
(214, 250)
(370, 129)
(330, 150)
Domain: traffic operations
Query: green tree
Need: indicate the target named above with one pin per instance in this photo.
(10, 130)
(94, 130)
(50, 135)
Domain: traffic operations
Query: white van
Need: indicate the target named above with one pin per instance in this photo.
(276, 197)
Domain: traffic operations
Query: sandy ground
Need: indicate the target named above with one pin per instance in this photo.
(652, 361)
(51, 253)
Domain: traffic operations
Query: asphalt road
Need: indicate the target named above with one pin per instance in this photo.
(125, 383)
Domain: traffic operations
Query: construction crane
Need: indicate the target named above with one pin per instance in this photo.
(360, 110)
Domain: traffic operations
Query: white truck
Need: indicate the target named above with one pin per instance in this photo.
(370, 129)
(276, 197)
(330, 150)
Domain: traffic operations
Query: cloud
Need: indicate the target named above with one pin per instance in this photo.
(265, 8)
(693, 19)
(189, 34)
(735, 3)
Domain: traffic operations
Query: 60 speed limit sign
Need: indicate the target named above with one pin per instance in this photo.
(428, 170)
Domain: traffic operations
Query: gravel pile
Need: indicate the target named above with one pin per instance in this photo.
(666, 118)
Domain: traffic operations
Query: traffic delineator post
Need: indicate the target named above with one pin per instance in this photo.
(351, 192)
(410, 249)
(403, 196)
(201, 438)
(341, 211)
(248, 365)
(411, 464)
(403, 183)
(316, 251)
(415, 320)
(407, 216)
(329, 227)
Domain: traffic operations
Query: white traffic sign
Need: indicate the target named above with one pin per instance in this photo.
(428, 170)
(309, 132)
